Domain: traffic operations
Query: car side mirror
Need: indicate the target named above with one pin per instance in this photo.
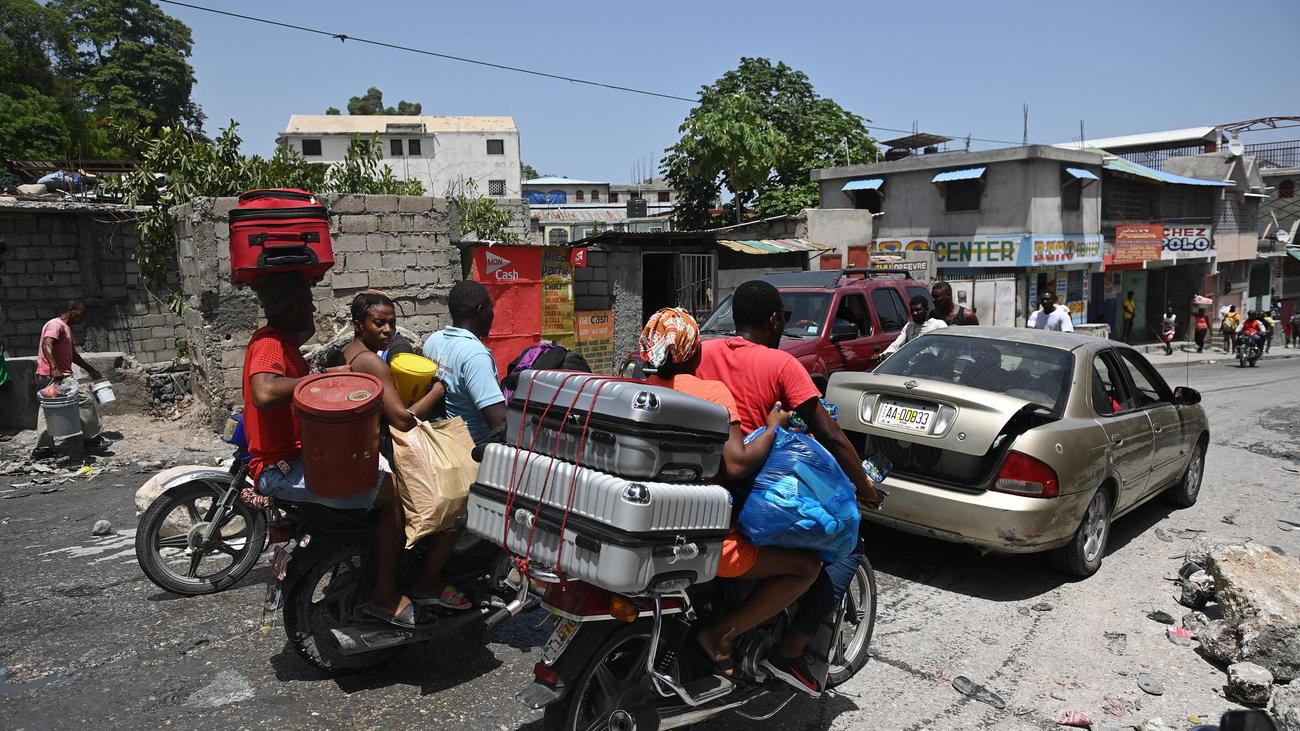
(1186, 396)
(842, 331)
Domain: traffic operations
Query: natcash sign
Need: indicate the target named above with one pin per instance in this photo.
(1187, 242)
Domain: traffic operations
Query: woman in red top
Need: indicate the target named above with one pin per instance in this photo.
(1202, 324)
(670, 343)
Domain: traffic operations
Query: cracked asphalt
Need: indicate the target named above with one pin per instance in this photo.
(88, 641)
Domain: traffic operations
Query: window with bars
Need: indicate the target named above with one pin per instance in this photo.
(311, 148)
(613, 197)
(496, 187)
(413, 147)
(394, 148)
(663, 196)
(1123, 200)
(496, 147)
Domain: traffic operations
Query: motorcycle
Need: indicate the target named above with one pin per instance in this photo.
(1248, 350)
(322, 567)
(628, 662)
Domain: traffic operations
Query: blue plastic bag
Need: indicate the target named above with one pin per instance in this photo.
(801, 499)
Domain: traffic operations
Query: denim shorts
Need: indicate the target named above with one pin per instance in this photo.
(292, 487)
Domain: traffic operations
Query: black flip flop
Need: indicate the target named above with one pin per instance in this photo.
(404, 619)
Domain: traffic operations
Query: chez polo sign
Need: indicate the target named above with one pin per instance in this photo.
(1187, 242)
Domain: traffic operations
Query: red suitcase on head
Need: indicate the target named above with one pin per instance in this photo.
(279, 230)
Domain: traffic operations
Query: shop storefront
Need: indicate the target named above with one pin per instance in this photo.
(1163, 265)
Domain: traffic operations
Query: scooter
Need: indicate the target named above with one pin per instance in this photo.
(628, 662)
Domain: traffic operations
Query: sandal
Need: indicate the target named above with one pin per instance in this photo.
(450, 598)
(404, 619)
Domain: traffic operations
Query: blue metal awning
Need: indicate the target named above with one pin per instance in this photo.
(1081, 174)
(868, 184)
(948, 176)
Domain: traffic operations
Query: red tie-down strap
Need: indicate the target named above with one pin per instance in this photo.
(577, 462)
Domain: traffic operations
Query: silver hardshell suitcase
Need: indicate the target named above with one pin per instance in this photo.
(635, 430)
(622, 535)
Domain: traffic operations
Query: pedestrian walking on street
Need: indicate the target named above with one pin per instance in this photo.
(1293, 330)
(1202, 324)
(1271, 322)
(1228, 329)
(54, 360)
(1168, 325)
(948, 311)
(1050, 315)
(1130, 311)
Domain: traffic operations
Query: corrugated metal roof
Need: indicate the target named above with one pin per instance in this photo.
(1120, 165)
(772, 246)
(963, 174)
(1190, 135)
(1082, 174)
(557, 180)
(323, 124)
(868, 184)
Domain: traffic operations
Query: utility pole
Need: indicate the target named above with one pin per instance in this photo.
(1025, 139)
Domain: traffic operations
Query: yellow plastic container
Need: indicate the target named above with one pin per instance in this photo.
(413, 375)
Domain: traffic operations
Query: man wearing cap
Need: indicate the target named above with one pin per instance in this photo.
(273, 366)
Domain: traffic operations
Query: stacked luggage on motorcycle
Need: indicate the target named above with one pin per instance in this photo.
(604, 480)
(279, 230)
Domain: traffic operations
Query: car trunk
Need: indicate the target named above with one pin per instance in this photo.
(966, 438)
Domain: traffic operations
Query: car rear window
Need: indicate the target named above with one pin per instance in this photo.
(1035, 373)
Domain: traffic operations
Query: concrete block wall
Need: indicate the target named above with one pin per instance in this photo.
(58, 251)
(399, 244)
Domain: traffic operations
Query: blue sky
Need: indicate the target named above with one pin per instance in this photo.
(953, 68)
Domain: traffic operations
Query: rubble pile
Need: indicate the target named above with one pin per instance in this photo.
(1255, 635)
(168, 383)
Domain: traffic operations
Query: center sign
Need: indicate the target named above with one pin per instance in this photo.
(1011, 250)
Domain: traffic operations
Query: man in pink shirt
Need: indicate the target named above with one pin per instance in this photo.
(54, 359)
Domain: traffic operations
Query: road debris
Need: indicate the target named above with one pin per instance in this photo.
(1150, 684)
(227, 687)
(1077, 719)
(1163, 535)
(1285, 525)
(1161, 616)
(1285, 706)
(1116, 642)
(102, 528)
(975, 691)
(1249, 683)
(1180, 636)
(1042, 607)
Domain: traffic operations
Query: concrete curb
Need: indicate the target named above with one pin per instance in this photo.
(1161, 361)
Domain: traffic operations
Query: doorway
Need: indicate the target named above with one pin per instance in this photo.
(658, 285)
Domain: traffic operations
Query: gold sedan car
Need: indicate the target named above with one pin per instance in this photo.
(1019, 441)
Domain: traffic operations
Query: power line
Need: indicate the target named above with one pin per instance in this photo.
(344, 37)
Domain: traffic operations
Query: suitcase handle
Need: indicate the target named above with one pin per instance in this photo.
(286, 256)
(305, 237)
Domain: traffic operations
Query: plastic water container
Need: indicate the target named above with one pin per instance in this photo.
(412, 374)
(339, 417)
(103, 391)
(61, 414)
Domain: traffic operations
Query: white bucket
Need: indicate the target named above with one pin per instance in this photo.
(61, 415)
(103, 391)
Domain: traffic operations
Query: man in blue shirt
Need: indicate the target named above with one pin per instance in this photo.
(465, 364)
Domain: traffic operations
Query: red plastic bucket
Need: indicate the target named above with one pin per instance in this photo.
(339, 417)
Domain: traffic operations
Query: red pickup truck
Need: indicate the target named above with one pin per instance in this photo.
(841, 319)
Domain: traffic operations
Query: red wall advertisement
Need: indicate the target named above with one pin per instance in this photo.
(513, 276)
(1136, 243)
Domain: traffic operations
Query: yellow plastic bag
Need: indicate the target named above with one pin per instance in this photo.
(434, 467)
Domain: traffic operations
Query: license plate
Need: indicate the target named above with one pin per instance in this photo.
(280, 562)
(564, 633)
(911, 418)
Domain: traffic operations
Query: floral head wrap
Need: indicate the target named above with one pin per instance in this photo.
(671, 335)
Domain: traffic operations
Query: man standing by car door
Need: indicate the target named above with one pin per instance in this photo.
(760, 375)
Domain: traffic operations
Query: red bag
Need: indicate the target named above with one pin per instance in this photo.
(279, 230)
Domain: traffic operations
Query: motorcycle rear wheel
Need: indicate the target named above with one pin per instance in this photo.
(326, 597)
(616, 671)
(850, 651)
(174, 562)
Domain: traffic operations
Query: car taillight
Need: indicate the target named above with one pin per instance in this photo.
(1024, 475)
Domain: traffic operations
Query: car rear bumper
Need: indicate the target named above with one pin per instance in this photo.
(992, 521)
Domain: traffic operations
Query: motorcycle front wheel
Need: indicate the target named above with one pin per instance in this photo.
(169, 543)
(852, 643)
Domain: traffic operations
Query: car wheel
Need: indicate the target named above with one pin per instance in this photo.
(1082, 555)
(1184, 492)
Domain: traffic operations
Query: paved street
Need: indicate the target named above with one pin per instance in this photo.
(88, 641)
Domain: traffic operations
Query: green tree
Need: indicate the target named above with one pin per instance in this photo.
(731, 145)
(817, 131)
(481, 214)
(34, 105)
(372, 102)
(528, 172)
(127, 59)
(333, 111)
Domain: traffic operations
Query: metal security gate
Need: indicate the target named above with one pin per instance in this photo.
(696, 278)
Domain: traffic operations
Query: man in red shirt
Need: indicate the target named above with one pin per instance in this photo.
(54, 359)
(273, 366)
(759, 376)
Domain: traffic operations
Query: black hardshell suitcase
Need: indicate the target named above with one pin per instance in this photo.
(636, 430)
(623, 535)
